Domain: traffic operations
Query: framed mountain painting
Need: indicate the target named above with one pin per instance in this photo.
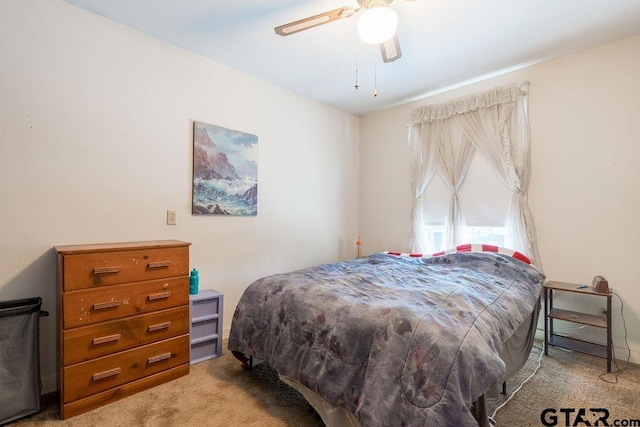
(225, 171)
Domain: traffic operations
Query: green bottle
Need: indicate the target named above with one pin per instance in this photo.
(193, 282)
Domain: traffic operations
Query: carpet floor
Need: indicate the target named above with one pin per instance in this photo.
(218, 392)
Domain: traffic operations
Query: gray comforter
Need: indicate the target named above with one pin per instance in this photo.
(396, 341)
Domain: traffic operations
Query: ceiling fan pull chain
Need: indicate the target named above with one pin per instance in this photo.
(357, 85)
(375, 76)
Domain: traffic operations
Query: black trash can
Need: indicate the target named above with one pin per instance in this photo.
(20, 384)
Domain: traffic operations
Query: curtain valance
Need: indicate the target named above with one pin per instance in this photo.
(500, 95)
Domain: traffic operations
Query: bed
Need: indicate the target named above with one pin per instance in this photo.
(395, 339)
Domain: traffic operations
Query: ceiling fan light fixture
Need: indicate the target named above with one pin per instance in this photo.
(377, 25)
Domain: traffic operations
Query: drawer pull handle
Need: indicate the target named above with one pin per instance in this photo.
(159, 326)
(106, 270)
(108, 304)
(161, 295)
(159, 358)
(108, 338)
(106, 374)
(159, 264)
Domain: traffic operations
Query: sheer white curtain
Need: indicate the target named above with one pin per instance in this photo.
(496, 124)
(454, 158)
(424, 139)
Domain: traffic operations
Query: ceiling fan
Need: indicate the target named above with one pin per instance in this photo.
(389, 46)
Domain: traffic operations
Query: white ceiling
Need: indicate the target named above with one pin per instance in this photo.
(444, 43)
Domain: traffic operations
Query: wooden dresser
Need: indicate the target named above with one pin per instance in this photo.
(124, 320)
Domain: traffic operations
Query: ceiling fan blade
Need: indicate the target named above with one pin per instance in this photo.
(390, 49)
(314, 21)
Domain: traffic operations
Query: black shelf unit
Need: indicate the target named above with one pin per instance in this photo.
(552, 313)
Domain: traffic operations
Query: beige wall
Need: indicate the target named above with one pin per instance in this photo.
(96, 144)
(585, 180)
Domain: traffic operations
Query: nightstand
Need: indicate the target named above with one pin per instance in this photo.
(206, 325)
(551, 313)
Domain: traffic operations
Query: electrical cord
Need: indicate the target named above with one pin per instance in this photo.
(618, 371)
(615, 374)
(535, 371)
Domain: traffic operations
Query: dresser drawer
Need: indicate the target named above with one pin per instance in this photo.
(90, 342)
(205, 328)
(204, 350)
(90, 270)
(85, 379)
(89, 306)
(204, 306)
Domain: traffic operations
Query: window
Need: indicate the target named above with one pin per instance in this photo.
(488, 235)
(441, 137)
(485, 200)
(472, 234)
